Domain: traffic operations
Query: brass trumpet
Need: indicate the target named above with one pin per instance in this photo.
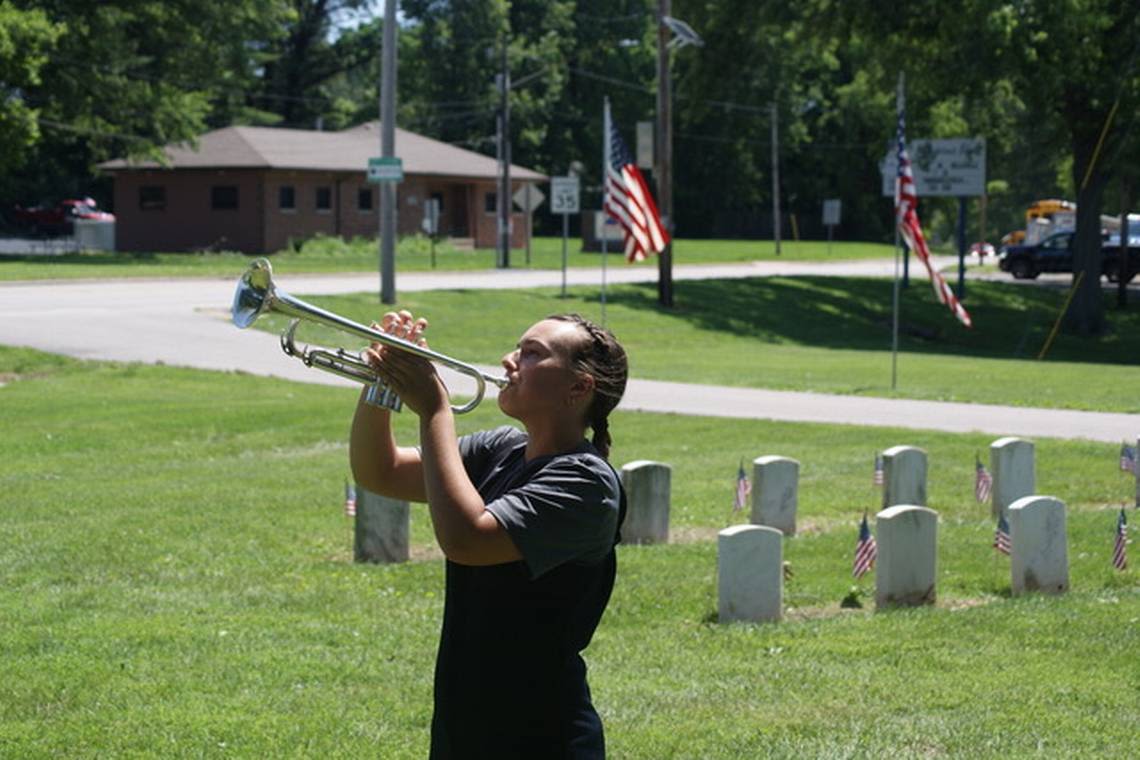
(256, 294)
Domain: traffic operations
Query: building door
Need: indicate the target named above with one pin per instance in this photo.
(457, 219)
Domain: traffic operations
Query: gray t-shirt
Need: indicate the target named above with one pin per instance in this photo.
(557, 509)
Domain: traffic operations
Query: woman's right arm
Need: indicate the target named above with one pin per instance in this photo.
(378, 463)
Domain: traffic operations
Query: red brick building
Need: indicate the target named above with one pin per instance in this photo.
(256, 189)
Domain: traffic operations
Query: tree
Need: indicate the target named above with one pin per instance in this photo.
(26, 39)
(1069, 69)
(1082, 56)
(127, 78)
(304, 61)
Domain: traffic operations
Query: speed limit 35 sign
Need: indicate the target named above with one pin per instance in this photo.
(564, 195)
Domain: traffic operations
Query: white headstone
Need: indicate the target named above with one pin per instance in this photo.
(381, 529)
(1039, 554)
(904, 476)
(775, 488)
(647, 491)
(750, 574)
(1013, 469)
(907, 565)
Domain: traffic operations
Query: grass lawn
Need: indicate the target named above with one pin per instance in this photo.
(324, 254)
(824, 334)
(177, 581)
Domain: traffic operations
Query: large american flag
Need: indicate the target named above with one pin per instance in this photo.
(743, 488)
(906, 213)
(1119, 549)
(1002, 541)
(1127, 458)
(627, 198)
(865, 550)
(983, 481)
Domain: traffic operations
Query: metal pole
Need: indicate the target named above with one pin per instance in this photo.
(664, 155)
(1124, 260)
(895, 297)
(388, 150)
(505, 148)
(499, 200)
(962, 248)
(775, 178)
(606, 128)
(565, 234)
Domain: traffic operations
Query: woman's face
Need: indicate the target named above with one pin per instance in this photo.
(541, 379)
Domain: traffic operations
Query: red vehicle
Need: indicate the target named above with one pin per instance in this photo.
(58, 219)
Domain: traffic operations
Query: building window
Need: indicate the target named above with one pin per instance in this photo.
(364, 199)
(438, 198)
(286, 198)
(223, 197)
(490, 204)
(152, 198)
(324, 199)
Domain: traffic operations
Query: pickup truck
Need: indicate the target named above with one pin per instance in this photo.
(1055, 254)
(60, 218)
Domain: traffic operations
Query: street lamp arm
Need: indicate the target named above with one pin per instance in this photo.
(684, 33)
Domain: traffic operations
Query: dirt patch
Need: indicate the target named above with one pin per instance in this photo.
(425, 552)
(835, 609)
(689, 534)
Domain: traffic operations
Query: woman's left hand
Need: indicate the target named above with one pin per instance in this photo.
(412, 377)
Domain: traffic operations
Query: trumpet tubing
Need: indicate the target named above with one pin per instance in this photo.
(256, 294)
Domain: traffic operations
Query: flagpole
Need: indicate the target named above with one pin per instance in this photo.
(900, 104)
(605, 193)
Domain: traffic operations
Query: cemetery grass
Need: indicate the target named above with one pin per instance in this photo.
(177, 581)
(413, 254)
(823, 334)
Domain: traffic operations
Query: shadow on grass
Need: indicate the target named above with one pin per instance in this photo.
(855, 314)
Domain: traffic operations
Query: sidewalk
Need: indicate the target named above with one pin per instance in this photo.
(185, 323)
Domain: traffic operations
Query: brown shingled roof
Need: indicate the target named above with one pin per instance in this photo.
(348, 150)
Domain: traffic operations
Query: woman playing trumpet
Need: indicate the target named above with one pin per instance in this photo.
(527, 520)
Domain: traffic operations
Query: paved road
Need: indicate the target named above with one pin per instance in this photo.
(184, 322)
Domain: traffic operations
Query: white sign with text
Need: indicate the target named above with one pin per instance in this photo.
(955, 168)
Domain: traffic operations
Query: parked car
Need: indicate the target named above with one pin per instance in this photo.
(1026, 261)
(1055, 254)
(1111, 264)
(60, 218)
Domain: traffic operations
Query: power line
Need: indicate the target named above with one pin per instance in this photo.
(51, 124)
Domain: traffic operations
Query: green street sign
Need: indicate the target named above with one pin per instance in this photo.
(386, 169)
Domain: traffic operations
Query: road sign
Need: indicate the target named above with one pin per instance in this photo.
(831, 211)
(564, 195)
(528, 197)
(955, 168)
(385, 169)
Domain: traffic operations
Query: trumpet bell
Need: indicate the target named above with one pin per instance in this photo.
(253, 295)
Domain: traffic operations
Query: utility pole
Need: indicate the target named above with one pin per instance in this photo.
(775, 177)
(504, 195)
(388, 150)
(664, 149)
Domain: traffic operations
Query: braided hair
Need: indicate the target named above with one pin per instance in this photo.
(599, 355)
